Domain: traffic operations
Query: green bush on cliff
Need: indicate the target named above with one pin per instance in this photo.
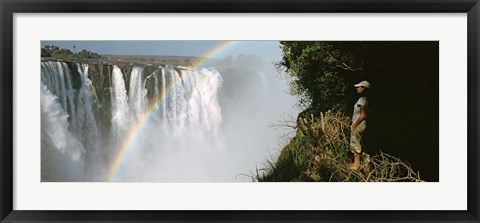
(321, 71)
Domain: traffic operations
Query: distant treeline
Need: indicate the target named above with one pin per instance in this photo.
(60, 53)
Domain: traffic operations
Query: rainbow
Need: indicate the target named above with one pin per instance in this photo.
(213, 51)
(135, 129)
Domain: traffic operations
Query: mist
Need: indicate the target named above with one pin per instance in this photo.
(254, 99)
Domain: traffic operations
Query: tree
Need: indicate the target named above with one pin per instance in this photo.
(45, 53)
(322, 71)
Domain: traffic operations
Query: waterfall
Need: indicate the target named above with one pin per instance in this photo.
(58, 77)
(185, 125)
(154, 123)
(137, 93)
(162, 95)
(61, 143)
(85, 123)
(120, 108)
(170, 97)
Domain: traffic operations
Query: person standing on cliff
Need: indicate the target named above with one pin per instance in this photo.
(359, 123)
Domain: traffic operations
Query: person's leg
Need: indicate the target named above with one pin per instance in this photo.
(356, 162)
(356, 144)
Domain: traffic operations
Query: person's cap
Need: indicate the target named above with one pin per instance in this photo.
(363, 84)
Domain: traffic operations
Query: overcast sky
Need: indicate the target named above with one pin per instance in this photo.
(269, 50)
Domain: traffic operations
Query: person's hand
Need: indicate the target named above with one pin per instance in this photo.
(354, 126)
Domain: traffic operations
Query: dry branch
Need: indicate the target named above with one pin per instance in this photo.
(329, 135)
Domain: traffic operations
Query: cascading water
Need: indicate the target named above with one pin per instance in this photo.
(180, 139)
(120, 108)
(85, 124)
(163, 93)
(137, 96)
(130, 123)
(57, 75)
(177, 127)
(62, 150)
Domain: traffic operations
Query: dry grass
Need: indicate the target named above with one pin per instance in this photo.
(320, 151)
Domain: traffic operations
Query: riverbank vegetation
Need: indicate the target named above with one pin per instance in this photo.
(55, 52)
(66, 54)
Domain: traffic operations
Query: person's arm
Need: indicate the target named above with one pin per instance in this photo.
(360, 118)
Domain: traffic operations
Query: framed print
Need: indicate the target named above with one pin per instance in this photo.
(239, 111)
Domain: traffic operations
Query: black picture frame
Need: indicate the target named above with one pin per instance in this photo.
(10, 7)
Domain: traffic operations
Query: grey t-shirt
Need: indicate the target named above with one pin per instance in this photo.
(356, 108)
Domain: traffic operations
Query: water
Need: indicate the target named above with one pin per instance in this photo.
(63, 153)
(162, 125)
(85, 123)
(120, 107)
(137, 95)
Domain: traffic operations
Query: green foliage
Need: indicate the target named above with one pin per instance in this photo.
(65, 54)
(321, 72)
(287, 168)
(291, 165)
(316, 153)
(85, 54)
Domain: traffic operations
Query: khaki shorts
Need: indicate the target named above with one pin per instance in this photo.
(356, 137)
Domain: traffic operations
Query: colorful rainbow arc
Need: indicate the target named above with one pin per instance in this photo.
(144, 117)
